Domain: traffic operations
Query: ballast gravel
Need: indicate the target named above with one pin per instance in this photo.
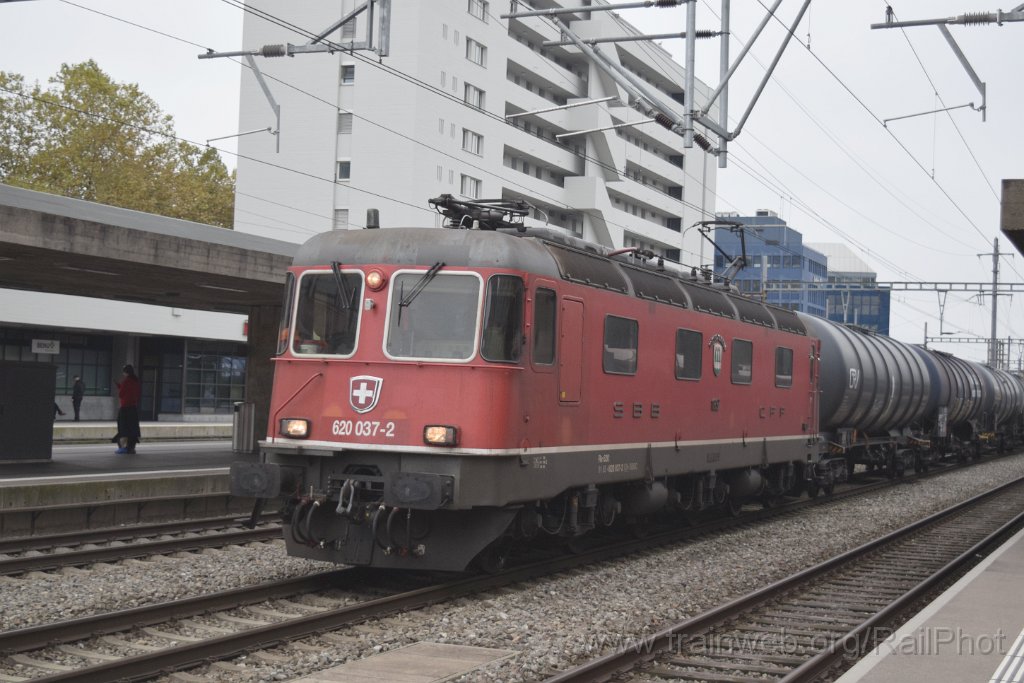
(548, 624)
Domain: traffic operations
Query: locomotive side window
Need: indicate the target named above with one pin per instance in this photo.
(689, 350)
(284, 330)
(433, 317)
(621, 338)
(544, 314)
(327, 315)
(742, 361)
(503, 320)
(783, 367)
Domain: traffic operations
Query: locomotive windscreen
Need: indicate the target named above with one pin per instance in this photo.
(438, 321)
(589, 270)
(327, 316)
(657, 287)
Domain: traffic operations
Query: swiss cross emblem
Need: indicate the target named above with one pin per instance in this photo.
(364, 392)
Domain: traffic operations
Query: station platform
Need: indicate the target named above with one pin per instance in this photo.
(974, 631)
(69, 431)
(83, 478)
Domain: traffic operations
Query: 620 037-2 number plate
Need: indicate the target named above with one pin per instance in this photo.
(364, 428)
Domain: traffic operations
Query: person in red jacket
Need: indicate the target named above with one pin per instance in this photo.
(129, 390)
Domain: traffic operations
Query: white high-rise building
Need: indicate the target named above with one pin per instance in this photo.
(430, 118)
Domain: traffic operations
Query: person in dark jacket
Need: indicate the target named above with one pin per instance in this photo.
(77, 394)
(129, 391)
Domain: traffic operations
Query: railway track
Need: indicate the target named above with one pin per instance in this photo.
(130, 532)
(148, 641)
(799, 628)
(206, 537)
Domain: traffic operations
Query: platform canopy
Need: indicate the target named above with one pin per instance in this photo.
(69, 246)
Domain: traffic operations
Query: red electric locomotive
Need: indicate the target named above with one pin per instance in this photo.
(439, 394)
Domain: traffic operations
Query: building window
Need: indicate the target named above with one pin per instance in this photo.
(470, 186)
(444, 79)
(348, 30)
(621, 337)
(476, 52)
(344, 123)
(348, 74)
(742, 361)
(341, 219)
(344, 170)
(214, 377)
(472, 142)
(88, 356)
(479, 9)
(689, 350)
(473, 96)
(783, 367)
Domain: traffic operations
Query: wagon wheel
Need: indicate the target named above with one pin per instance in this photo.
(813, 490)
(734, 507)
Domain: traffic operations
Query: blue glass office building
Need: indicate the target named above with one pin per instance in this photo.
(776, 255)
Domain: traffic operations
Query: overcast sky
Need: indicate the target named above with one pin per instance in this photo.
(917, 200)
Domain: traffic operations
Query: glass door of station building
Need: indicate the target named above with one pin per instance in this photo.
(161, 369)
(190, 377)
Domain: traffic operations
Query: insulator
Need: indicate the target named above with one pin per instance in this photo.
(667, 3)
(663, 120)
(977, 18)
(273, 51)
(705, 33)
(702, 142)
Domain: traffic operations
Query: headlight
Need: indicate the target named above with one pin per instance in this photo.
(294, 428)
(440, 435)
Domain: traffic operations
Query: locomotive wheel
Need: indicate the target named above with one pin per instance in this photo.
(734, 507)
(492, 559)
(829, 489)
(813, 490)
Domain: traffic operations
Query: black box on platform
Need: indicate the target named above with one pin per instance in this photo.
(26, 411)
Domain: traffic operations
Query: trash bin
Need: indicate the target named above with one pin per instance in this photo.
(243, 434)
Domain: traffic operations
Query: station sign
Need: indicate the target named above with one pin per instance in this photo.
(46, 346)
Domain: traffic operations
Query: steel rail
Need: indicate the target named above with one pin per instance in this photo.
(60, 632)
(182, 657)
(20, 565)
(628, 658)
(192, 654)
(120, 533)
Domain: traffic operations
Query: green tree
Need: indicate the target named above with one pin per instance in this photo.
(90, 138)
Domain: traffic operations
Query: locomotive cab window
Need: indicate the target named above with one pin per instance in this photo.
(284, 330)
(621, 339)
(327, 313)
(742, 361)
(433, 315)
(783, 367)
(545, 311)
(689, 349)
(502, 338)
